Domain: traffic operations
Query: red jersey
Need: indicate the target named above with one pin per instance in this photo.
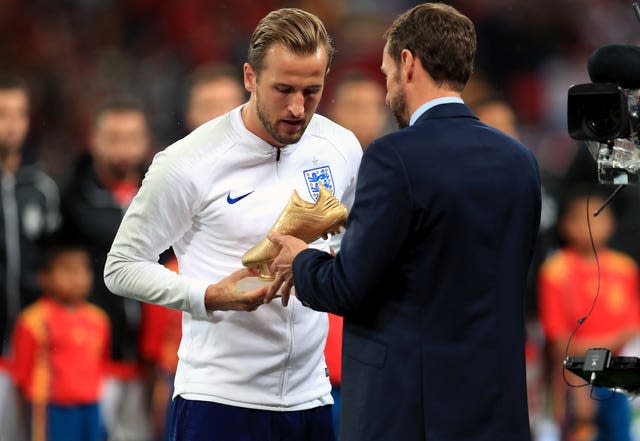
(4, 364)
(567, 287)
(60, 352)
(160, 336)
(333, 349)
(124, 192)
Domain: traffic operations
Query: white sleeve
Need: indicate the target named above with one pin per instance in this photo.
(161, 212)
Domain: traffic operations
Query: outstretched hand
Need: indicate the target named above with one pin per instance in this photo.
(290, 247)
(224, 295)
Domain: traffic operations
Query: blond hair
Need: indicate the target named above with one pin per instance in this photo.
(299, 31)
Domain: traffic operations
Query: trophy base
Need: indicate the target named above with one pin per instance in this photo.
(253, 283)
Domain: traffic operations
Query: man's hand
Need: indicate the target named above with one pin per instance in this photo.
(224, 296)
(281, 286)
(281, 266)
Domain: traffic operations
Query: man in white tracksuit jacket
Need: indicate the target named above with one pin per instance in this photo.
(212, 196)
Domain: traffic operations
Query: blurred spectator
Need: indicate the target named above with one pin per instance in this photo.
(61, 345)
(29, 209)
(625, 205)
(97, 193)
(30, 204)
(569, 282)
(147, 46)
(358, 103)
(497, 113)
(212, 91)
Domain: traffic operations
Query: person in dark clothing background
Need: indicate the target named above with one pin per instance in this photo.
(29, 209)
(95, 196)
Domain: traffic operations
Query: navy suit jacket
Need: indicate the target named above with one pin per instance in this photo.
(430, 279)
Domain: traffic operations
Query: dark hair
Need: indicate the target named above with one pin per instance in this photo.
(209, 73)
(119, 104)
(575, 192)
(352, 77)
(13, 82)
(212, 72)
(53, 246)
(443, 39)
(299, 31)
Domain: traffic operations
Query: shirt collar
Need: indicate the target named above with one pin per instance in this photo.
(429, 104)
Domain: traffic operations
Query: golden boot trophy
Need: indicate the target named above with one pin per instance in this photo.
(305, 220)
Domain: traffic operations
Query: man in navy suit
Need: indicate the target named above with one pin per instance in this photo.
(431, 273)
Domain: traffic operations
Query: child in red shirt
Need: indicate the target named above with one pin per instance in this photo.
(568, 282)
(60, 348)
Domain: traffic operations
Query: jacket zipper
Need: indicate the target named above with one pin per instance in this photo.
(283, 382)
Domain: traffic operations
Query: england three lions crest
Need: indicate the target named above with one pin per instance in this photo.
(316, 176)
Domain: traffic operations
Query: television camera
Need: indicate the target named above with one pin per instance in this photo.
(606, 113)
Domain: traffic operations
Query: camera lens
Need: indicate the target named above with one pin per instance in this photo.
(597, 112)
(603, 120)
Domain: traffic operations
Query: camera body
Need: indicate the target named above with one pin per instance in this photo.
(601, 112)
(607, 117)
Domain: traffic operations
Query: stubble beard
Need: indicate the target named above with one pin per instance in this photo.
(272, 130)
(399, 110)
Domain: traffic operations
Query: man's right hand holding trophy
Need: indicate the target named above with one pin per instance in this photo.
(304, 220)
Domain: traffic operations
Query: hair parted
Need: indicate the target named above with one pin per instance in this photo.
(443, 39)
(299, 31)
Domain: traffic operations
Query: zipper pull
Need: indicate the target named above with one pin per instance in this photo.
(277, 154)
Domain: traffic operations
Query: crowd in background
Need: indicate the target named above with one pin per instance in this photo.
(81, 57)
(76, 52)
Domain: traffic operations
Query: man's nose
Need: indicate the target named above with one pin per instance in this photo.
(296, 106)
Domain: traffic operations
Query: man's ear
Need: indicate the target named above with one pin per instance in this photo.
(407, 63)
(250, 77)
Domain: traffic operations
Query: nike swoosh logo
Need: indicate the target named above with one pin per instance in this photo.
(231, 200)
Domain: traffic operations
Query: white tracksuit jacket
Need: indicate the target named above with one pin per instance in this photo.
(212, 196)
